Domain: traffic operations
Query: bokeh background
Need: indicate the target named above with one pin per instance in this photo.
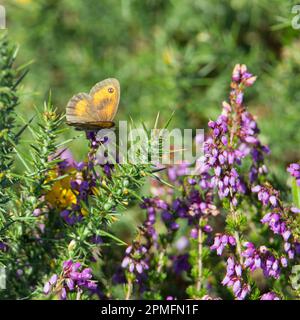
(168, 55)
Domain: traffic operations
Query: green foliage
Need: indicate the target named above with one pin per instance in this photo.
(9, 80)
(23, 258)
(237, 222)
(296, 193)
(168, 55)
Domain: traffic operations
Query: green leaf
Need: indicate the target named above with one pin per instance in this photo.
(106, 234)
(296, 193)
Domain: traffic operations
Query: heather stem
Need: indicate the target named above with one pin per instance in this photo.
(236, 235)
(238, 247)
(78, 295)
(129, 289)
(160, 261)
(200, 267)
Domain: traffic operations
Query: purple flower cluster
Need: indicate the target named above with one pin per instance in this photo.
(148, 226)
(241, 75)
(83, 177)
(276, 219)
(220, 157)
(74, 278)
(263, 259)
(294, 170)
(198, 205)
(81, 186)
(221, 241)
(169, 213)
(137, 257)
(276, 224)
(96, 140)
(135, 260)
(233, 137)
(234, 279)
(177, 171)
(266, 195)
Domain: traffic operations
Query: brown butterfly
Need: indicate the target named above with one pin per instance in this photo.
(97, 109)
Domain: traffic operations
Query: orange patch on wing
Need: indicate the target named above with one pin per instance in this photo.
(81, 107)
(109, 109)
(101, 95)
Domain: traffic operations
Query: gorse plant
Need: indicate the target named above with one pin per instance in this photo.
(9, 80)
(226, 233)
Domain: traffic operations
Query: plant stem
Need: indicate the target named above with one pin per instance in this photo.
(129, 289)
(78, 295)
(236, 233)
(160, 261)
(200, 266)
(238, 247)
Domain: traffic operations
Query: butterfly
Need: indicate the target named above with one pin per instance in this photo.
(97, 109)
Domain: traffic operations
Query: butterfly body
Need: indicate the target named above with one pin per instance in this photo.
(97, 109)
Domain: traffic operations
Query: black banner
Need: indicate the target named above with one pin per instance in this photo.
(120, 309)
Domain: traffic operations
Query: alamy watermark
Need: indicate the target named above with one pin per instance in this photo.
(160, 147)
(2, 278)
(296, 19)
(2, 17)
(295, 277)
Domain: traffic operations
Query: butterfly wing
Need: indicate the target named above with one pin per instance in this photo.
(79, 109)
(105, 97)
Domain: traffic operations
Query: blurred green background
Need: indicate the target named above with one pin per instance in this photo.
(168, 55)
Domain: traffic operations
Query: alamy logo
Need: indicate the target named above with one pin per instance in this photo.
(295, 277)
(159, 147)
(2, 278)
(296, 19)
(2, 17)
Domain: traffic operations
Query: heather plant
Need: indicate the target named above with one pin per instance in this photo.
(226, 232)
(232, 195)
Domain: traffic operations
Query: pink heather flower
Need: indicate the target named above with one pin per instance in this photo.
(263, 259)
(294, 170)
(273, 201)
(239, 98)
(53, 279)
(236, 74)
(47, 287)
(135, 259)
(295, 210)
(233, 278)
(221, 241)
(269, 296)
(194, 233)
(72, 278)
(256, 189)
(250, 81)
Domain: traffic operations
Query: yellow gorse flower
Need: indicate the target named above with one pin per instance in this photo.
(61, 195)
